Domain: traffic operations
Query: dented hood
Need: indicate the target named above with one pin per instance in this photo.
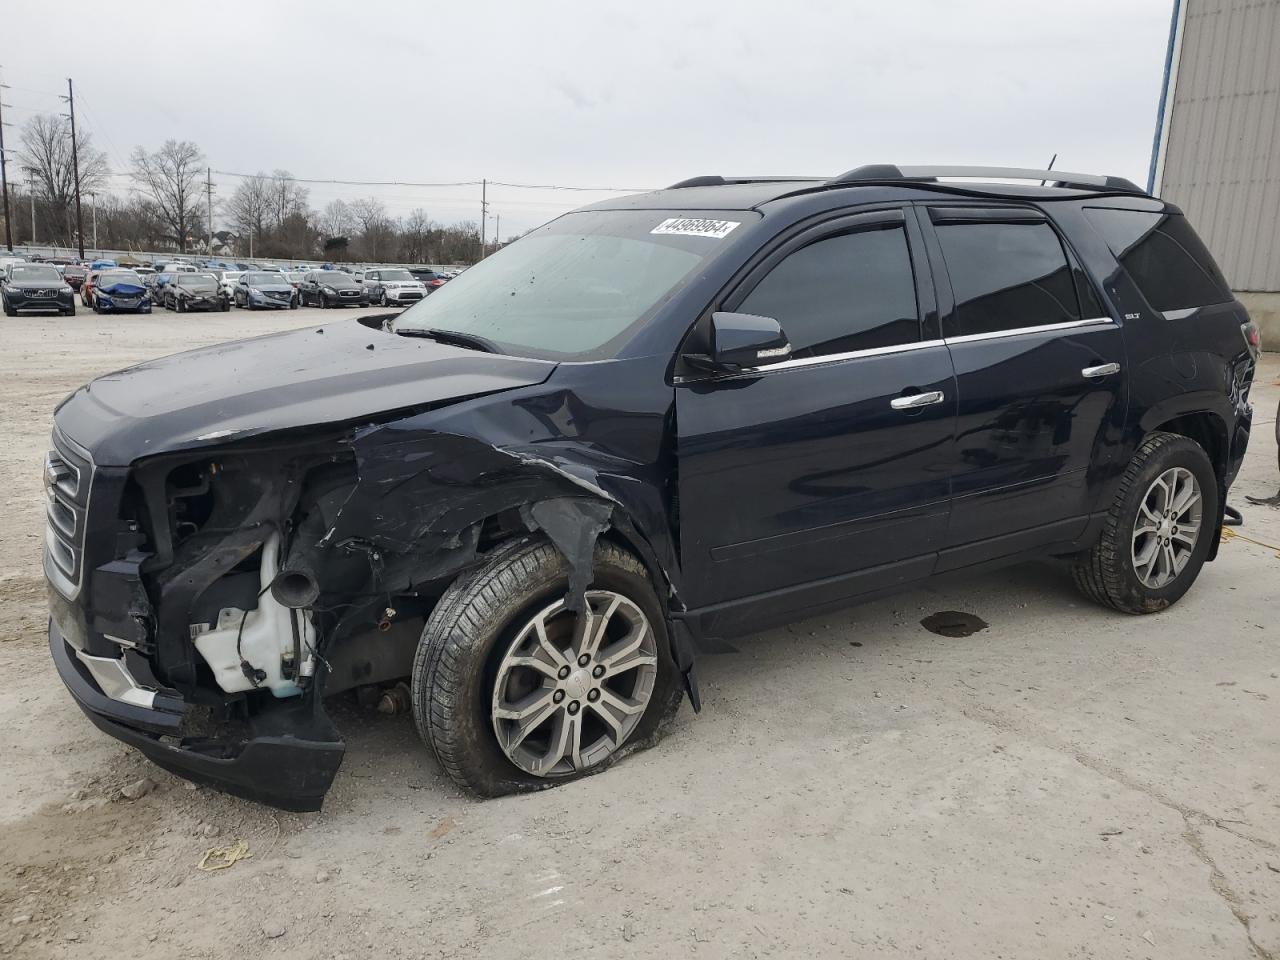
(338, 373)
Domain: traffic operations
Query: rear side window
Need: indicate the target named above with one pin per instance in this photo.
(1006, 276)
(851, 291)
(1163, 256)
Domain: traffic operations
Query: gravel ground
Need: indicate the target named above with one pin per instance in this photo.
(1067, 782)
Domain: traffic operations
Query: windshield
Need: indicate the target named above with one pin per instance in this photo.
(199, 283)
(396, 275)
(335, 278)
(35, 274)
(577, 286)
(253, 279)
(119, 276)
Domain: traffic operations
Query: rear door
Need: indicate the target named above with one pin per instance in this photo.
(825, 475)
(1040, 378)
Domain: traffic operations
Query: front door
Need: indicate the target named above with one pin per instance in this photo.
(1039, 374)
(825, 475)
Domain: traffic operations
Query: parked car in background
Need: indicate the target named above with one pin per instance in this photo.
(295, 278)
(158, 284)
(332, 288)
(74, 275)
(174, 266)
(227, 279)
(392, 286)
(195, 291)
(35, 288)
(119, 290)
(144, 272)
(264, 290)
(86, 288)
(430, 278)
(103, 264)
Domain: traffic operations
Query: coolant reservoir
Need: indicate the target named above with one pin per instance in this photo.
(263, 638)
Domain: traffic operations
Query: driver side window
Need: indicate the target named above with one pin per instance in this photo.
(845, 292)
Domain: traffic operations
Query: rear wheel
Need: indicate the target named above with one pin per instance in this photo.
(1158, 531)
(515, 692)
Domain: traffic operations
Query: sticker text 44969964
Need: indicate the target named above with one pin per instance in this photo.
(696, 227)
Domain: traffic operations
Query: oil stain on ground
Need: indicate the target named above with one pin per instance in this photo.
(953, 623)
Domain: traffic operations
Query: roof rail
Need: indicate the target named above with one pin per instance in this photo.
(888, 171)
(714, 180)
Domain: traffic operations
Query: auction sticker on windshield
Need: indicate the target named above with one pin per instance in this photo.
(695, 227)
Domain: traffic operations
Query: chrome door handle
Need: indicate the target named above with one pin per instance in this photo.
(916, 400)
(1102, 370)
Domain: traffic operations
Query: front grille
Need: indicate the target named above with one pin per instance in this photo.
(350, 293)
(68, 476)
(41, 294)
(279, 295)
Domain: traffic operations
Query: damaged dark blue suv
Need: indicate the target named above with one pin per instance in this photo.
(652, 422)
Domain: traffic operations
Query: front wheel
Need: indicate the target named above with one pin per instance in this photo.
(1158, 531)
(513, 691)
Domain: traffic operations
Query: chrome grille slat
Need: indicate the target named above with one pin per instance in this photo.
(68, 477)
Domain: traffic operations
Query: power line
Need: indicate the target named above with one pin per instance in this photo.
(452, 183)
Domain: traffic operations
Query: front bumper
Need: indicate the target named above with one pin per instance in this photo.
(288, 760)
(404, 296)
(21, 303)
(130, 304)
(266, 300)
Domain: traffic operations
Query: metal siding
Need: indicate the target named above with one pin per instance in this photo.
(1222, 158)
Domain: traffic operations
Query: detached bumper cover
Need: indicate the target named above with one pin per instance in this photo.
(288, 762)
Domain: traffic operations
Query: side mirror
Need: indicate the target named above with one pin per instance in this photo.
(742, 341)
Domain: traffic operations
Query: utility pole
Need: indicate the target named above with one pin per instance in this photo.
(93, 205)
(208, 186)
(31, 185)
(4, 179)
(497, 231)
(75, 165)
(484, 212)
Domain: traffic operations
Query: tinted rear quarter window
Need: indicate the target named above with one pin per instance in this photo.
(1006, 276)
(1163, 256)
(852, 291)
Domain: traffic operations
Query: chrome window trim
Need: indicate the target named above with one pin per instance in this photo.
(900, 348)
(1022, 331)
(816, 361)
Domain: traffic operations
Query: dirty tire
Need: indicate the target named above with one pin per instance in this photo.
(467, 634)
(1105, 573)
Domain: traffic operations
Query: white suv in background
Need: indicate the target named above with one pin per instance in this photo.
(392, 286)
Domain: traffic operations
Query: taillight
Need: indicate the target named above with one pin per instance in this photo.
(1252, 337)
(437, 283)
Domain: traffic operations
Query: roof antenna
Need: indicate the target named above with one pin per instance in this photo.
(1052, 161)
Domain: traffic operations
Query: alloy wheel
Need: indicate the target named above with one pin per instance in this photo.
(571, 688)
(1167, 527)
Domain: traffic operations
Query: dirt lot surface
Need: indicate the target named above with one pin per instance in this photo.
(1066, 782)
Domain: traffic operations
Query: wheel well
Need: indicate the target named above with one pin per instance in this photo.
(1205, 429)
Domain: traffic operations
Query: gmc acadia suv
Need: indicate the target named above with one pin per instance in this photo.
(652, 422)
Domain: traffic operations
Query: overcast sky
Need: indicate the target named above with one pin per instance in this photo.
(597, 94)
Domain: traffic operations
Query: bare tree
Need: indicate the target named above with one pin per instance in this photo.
(337, 220)
(170, 179)
(46, 149)
(249, 206)
(287, 196)
(415, 238)
(368, 212)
